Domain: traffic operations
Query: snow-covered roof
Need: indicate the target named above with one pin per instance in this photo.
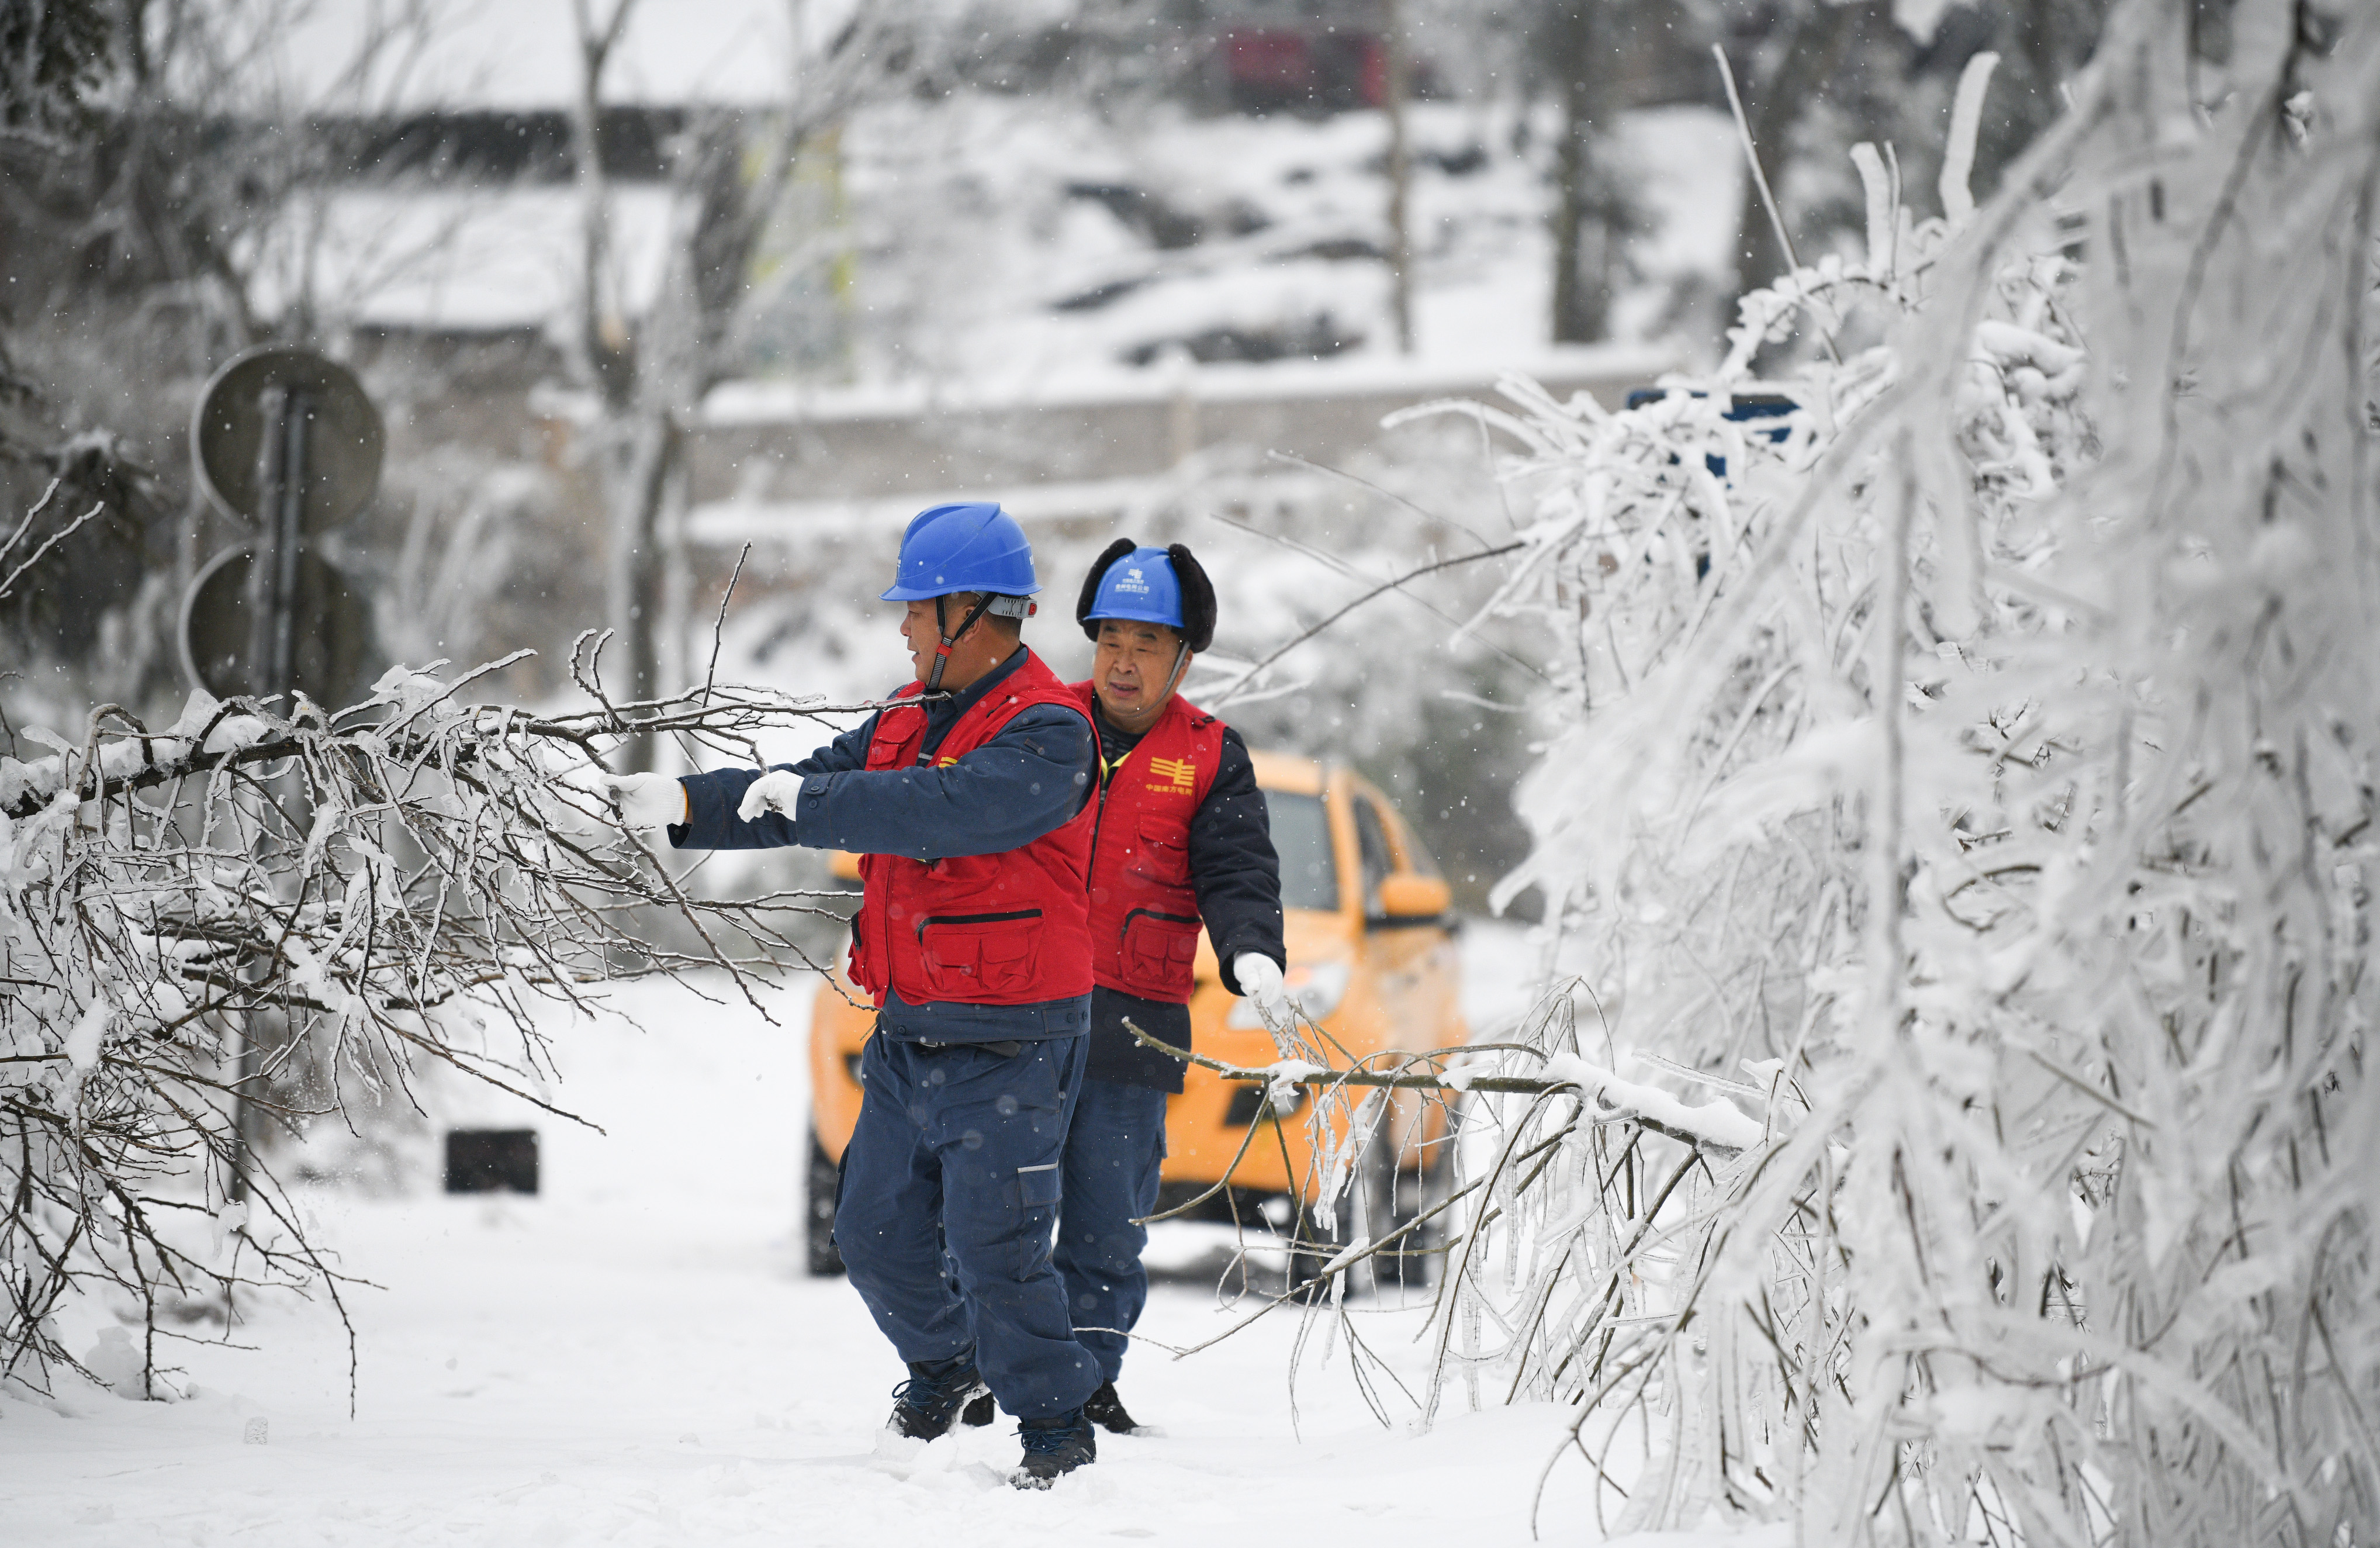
(458, 259)
(1096, 382)
(391, 56)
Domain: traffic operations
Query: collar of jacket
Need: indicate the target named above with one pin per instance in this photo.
(941, 717)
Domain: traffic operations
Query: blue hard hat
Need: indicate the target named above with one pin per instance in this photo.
(1139, 586)
(971, 547)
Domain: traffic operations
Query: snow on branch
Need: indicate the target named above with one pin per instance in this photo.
(197, 921)
(1977, 755)
(1716, 1127)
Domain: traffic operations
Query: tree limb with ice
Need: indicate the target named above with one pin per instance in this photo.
(1974, 767)
(263, 915)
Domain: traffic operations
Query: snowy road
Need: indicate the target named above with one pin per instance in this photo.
(635, 1358)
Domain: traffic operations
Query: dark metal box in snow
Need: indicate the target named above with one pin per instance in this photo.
(492, 1161)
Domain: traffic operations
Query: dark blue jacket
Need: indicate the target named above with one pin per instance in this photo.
(1032, 777)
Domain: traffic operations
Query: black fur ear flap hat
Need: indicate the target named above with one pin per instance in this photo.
(1197, 597)
(1090, 596)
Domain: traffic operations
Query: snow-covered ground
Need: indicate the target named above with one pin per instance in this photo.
(635, 1357)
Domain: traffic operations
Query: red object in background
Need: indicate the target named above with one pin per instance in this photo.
(1375, 71)
(1328, 67)
(1268, 57)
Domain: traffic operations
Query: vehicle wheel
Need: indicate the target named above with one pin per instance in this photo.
(1310, 1246)
(1371, 1210)
(818, 1212)
(1366, 1208)
(1411, 1265)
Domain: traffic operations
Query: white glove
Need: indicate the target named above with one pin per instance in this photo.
(646, 801)
(775, 791)
(1260, 979)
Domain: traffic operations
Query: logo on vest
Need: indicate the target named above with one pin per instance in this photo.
(1181, 772)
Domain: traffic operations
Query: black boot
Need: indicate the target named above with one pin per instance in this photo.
(978, 1411)
(1105, 1409)
(924, 1405)
(1054, 1447)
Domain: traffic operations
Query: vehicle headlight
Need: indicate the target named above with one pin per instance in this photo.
(1315, 987)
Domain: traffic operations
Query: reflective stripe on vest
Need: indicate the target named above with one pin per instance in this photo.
(1144, 911)
(986, 930)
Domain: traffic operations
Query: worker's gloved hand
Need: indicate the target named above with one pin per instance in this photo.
(1260, 979)
(646, 801)
(775, 791)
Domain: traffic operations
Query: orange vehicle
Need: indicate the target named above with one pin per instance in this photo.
(1372, 960)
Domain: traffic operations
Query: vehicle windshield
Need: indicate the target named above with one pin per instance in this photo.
(1300, 832)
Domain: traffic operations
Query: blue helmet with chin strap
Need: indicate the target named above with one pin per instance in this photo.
(974, 547)
(1139, 587)
(971, 547)
(1138, 584)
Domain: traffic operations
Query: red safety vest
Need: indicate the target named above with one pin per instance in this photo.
(979, 929)
(1144, 914)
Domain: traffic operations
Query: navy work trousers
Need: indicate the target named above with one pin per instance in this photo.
(960, 1147)
(1113, 1149)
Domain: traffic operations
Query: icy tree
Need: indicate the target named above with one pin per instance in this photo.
(189, 915)
(732, 179)
(1961, 790)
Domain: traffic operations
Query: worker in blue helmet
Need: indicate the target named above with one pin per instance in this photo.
(968, 801)
(1183, 840)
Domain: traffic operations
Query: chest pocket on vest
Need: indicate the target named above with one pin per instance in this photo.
(969, 954)
(1161, 851)
(895, 752)
(1158, 950)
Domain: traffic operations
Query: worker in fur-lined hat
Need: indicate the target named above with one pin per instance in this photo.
(1182, 841)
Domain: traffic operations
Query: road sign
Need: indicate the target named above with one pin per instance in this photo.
(286, 440)
(343, 438)
(330, 630)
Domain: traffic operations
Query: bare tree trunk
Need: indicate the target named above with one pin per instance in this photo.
(606, 357)
(632, 445)
(649, 373)
(644, 445)
(1812, 53)
(676, 664)
(1582, 211)
(1400, 81)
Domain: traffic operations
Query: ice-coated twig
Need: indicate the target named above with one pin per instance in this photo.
(1716, 1128)
(1225, 695)
(242, 922)
(9, 583)
(719, 624)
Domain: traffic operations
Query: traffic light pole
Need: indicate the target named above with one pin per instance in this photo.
(272, 650)
(272, 577)
(287, 442)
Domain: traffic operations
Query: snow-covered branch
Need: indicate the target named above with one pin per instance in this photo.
(1981, 751)
(251, 918)
(1716, 1127)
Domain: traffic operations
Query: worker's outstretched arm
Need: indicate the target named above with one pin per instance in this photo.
(1028, 779)
(712, 799)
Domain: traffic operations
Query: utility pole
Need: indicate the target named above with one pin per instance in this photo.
(1582, 215)
(286, 409)
(1398, 73)
(281, 504)
(288, 442)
